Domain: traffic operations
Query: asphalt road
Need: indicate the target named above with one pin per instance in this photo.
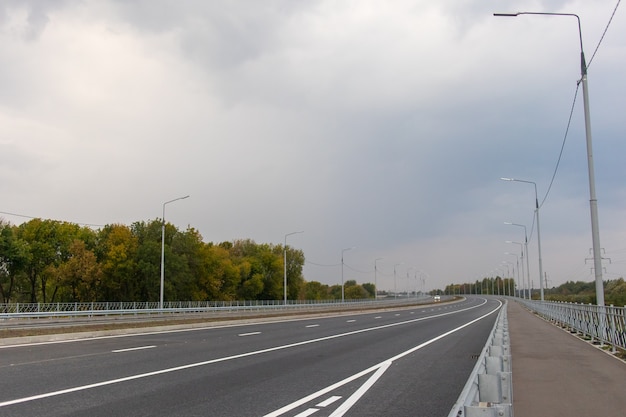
(407, 362)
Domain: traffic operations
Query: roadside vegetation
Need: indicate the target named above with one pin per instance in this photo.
(50, 261)
(571, 292)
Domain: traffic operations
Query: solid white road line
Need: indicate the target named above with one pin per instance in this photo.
(248, 334)
(343, 408)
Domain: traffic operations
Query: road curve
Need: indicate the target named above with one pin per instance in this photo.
(392, 363)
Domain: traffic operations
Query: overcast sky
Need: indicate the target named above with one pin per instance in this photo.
(384, 126)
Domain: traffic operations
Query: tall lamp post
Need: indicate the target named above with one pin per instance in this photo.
(376, 278)
(408, 285)
(593, 202)
(285, 263)
(538, 229)
(526, 246)
(395, 280)
(342, 288)
(521, 245)
(518, 264)
(163, 249)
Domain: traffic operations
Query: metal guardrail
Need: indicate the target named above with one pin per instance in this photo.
(489, 389)
(48, 310)
(604, 324)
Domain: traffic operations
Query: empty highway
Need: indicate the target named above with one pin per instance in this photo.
(410, 361)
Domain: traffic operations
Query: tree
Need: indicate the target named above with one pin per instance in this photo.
(118, 252)
(79, 276)
(14, 256)
(315, 290)
(371, 289)
(295, 279)
(48, 243)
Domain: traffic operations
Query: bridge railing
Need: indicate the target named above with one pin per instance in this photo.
(44, 310)
(602, 324)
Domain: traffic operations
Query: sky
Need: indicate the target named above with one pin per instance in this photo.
(379, 129)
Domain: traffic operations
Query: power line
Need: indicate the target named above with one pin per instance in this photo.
(604, 33)
(558, 162)
(569, 121)
(64, 221)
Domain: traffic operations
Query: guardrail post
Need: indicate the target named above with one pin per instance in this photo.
(495, 389)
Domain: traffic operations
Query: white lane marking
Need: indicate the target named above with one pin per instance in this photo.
(131, 349)
(343, 408)
(350, 321)
(397, 314)
(325, 403)
(313, 325)
(328, 401)
(307, 413)
(242, 355)
(248, 334)
(349, 379)
(378, 317)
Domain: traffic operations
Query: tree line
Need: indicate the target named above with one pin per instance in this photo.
(51, 261)
(571, 291)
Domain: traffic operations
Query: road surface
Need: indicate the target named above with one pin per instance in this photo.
(386, 363)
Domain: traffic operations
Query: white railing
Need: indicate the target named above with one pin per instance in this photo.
(604, 324)
(43, 310)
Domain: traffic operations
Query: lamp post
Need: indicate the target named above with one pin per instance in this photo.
(538, 229)
(521, 245)
(395, 281)
(163, 249)
(593, 202)
(508, 275)
(517, 261)
(285, 263)
(342, 289)
(526, 246)
(376, 278)
(408, 285)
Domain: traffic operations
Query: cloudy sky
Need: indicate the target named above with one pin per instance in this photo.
(384, 126)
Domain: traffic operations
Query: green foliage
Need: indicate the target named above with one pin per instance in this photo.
(50, 261)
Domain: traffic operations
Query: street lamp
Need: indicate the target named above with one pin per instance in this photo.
(526, 245)
(342, 288)
(285, 263)
(517, 261)
(521, 245)
(593, 202)
(163, 249)
(508, 274)
(408, 286)
(376, 278)
(538, 232)
(395, 281)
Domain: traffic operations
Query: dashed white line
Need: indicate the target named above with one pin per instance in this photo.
(308, 412)
(131, 349)
(328, 401)
(325, 403)
(350, 321)
(313, 325)
(248, 334)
